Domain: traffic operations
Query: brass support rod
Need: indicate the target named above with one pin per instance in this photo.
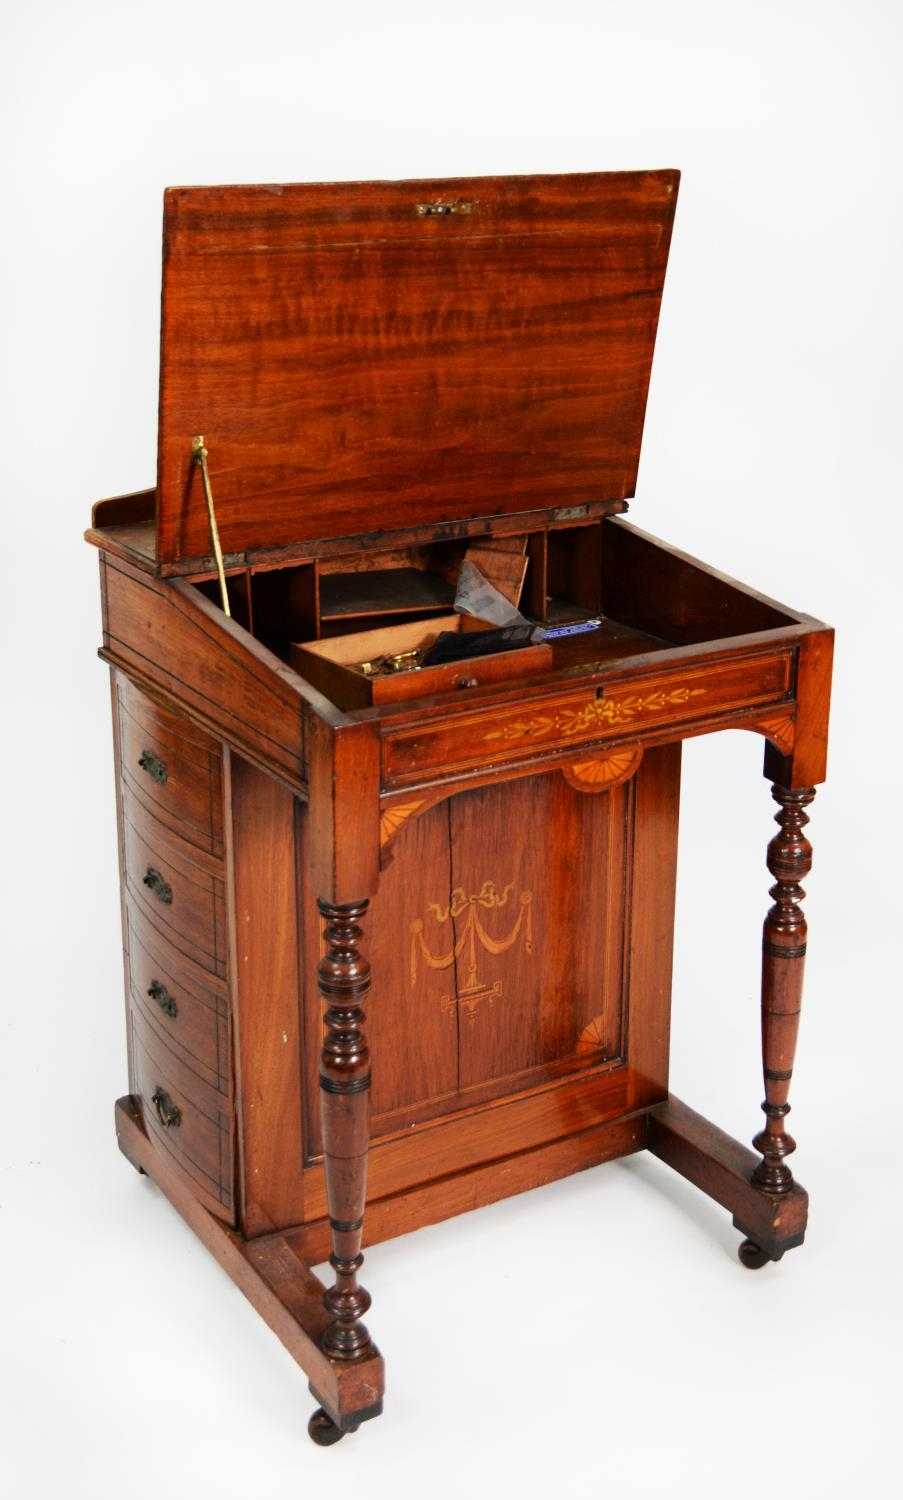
(199, 456)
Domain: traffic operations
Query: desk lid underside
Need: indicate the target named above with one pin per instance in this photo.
(356, 364)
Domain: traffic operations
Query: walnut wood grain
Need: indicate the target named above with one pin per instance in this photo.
(174, 642)
(355, 365)
(264, 855)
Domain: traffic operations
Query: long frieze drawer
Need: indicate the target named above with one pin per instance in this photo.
(172, 768)
(191, 1123)
(184, 1004)
(183, 900)
(468, 741)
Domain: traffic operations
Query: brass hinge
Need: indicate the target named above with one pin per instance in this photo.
(199, 456)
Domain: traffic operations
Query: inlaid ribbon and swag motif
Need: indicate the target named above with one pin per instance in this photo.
(473, 935)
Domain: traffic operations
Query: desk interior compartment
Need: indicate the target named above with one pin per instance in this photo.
(334, 666)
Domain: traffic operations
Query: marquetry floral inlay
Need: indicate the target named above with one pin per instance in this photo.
(594, 715)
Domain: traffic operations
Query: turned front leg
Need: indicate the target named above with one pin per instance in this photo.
(343, 977)
(783, 955)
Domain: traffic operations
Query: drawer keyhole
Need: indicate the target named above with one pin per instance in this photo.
(154, 766)
(168, 1113)
(161, 889)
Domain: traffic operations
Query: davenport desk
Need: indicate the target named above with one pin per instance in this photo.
(362, 387)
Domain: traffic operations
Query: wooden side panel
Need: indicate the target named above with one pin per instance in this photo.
(175, 642)
(653, 883)
(264, 942)
(655, 588)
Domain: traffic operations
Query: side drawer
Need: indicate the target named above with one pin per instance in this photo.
(185, 1005)
(187, 1120)
(183, 897)
(173, 769)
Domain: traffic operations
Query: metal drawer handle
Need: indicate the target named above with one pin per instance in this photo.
(168, 1113)
(155, 882)
(154, 767)
(160, 993)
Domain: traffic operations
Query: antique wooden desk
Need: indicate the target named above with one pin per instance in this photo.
(374, 381)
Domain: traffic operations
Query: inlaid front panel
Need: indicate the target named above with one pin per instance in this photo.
(536, 916)
(500, 950)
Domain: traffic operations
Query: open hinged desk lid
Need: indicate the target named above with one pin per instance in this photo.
(364, 357)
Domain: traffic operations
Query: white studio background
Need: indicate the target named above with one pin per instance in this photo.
(597, 1336)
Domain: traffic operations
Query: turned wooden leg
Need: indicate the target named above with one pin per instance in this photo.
(344, 979)
(783, 955)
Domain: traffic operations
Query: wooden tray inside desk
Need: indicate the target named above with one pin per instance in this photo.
(332, 665)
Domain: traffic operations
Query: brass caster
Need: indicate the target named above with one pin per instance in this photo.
(752, 1256)
(323, 1431)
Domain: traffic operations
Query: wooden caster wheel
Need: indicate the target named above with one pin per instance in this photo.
(752, 1256)
(323, 1431)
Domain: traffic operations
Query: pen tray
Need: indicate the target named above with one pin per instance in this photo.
(333, 666)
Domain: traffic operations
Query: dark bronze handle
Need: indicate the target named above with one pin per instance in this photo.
(155, 882)
(168, 1113)
(154, 766)
(160, 993)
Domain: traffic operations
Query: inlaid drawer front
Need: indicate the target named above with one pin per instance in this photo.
(184, 1118)
(183, 900)
(184, 1004)
(172, 768)
(468, 741)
